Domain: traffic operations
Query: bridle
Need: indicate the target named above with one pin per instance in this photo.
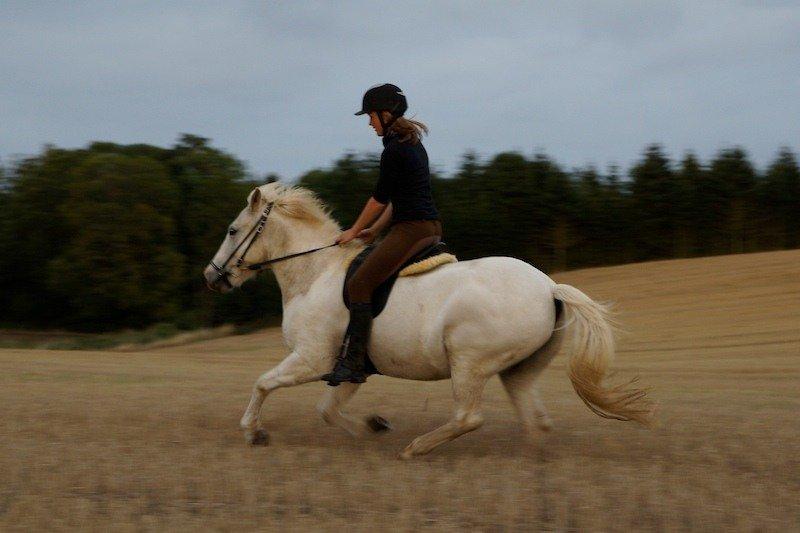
(252, 235)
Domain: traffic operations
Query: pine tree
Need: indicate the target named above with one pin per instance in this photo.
(688, 218)
(735, 180)
(779, 200)
(620, 226)
(559, 213)
(654, 195)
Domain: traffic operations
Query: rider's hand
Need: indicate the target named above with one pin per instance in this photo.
(367, 235)
(346, 236)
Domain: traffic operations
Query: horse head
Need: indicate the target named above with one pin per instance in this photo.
(275, 219)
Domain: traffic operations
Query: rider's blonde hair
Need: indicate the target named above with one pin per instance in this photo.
(409, 130)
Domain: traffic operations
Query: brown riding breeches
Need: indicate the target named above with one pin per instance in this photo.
(404, 239)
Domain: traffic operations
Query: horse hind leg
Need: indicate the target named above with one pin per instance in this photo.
(467, 390)
(520, 383)
(525, 397)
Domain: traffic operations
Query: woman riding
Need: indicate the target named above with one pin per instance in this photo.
(402, 195)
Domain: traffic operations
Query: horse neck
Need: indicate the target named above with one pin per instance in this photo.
(296, 276)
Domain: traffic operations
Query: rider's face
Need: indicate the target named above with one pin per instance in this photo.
(375, 123)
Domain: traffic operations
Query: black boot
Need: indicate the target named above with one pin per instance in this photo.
(350, 363)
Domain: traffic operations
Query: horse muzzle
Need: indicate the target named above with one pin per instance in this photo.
(217, 279)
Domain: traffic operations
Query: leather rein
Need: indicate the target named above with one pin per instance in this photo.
(252, 235)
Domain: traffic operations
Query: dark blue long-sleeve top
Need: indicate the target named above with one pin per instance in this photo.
(405, 180)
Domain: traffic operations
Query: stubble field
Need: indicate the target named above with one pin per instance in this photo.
(150, 440)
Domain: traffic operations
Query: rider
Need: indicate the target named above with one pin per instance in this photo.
(402, 194)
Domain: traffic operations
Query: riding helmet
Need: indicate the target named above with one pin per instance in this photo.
(386, 97)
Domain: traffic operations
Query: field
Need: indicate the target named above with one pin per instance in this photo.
(150, 440)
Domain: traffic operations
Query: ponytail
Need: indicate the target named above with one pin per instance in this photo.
(409, 130)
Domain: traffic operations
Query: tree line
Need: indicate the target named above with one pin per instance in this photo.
(112, 236)
(531, 208)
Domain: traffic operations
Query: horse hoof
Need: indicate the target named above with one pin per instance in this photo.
(378, 424)
(260, 438)
(405, 455)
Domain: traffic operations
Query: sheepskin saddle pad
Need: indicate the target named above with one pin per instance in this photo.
(425, 261)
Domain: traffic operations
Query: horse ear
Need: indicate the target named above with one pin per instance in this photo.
(255, 199)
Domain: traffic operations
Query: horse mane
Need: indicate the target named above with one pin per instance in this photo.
(300, 203)
(303, 204)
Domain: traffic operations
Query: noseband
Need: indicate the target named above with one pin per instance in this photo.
(252, 235)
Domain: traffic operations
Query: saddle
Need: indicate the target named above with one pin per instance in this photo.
(424, 261)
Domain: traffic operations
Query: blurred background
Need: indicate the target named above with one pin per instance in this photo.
(643, 152)
(572, 136)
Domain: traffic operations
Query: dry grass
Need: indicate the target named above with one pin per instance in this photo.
(149, 440)
(156, 336)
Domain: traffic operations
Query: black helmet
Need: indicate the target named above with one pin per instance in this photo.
(386, 97)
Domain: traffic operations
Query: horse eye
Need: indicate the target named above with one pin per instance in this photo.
(232, 231)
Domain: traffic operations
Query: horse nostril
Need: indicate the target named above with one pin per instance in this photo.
(211, 283)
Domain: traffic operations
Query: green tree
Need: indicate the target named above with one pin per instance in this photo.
(654, 194)
(35, 233)
(779, 201)
(689, 219)
(590, 218)
(117, 235)
(619, 223)
(6, 243)
(120, 267)
(464, 201)
(554, 213)
(212, 189)
(515, 207)
(734, 180)
(347, 186)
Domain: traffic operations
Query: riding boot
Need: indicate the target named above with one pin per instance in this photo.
(350, 363)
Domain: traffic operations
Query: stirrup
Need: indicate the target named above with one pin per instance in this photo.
(342, 374)
(342, 371)
(351, 362)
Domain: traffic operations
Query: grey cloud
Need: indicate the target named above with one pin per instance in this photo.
(277, 83)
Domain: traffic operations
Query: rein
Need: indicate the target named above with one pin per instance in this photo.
(265, 264)
(255, 231)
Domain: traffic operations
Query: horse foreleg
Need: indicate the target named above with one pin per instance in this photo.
(467, 390)
(294, 370)
(330, 406)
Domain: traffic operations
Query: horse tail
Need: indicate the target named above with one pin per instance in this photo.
(590, 330)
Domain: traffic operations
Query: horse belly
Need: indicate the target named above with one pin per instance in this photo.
(492, 311)
(407, 360)
(406, 341)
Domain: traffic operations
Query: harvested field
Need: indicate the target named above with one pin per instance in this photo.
(150, 440)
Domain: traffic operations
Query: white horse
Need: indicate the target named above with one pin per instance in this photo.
(466, 321)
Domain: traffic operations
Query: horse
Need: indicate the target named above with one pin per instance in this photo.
(465, 321)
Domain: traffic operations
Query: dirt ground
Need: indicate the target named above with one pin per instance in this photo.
(150, 440)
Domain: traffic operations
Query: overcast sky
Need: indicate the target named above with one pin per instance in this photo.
(276, 83)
